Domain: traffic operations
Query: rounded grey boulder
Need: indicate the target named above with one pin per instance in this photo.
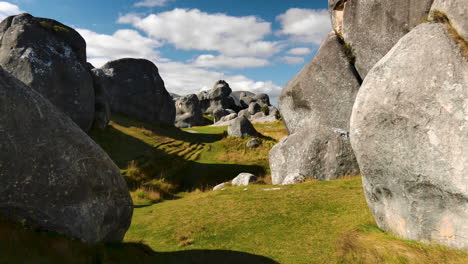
(409, 132)
(242, 128)
(188, 112)
(136, 89)
(243, 179)
(216, 99)
(54, 177)
(50, 58)
(254, 108)
(253, 143)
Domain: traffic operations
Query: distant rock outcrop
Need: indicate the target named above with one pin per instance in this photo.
(51, 58)
(188, 112)
(409, 132)
(136, 89)
(102, 115)
(242, 128)
(217, 99)
(54, 177)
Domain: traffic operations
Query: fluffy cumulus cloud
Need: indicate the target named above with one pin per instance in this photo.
(123, 43)
(197, 30)
(152, 3)
(305, 25)
(221, 61)
(8, 9)
(299, 51)
(180, 78)
(292, 60)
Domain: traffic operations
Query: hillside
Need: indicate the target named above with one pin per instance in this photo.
(177, 219)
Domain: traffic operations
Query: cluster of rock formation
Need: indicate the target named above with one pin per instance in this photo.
(388, 92)
(224, 106)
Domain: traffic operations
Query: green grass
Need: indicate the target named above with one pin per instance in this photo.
(314, 222)
(164, 161)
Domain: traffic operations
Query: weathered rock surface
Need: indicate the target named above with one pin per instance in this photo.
(254, 108)
(136, 89)
(216, 99)
(244, 179)
(102, 115)
(237, 95)
(253, 143)
(293, 179)
(54, 177)
(242, 128)
(219, 186)
(51, 58)
(323, 92)
(188, 112)
(318, 153)
(456, 11)
(262, 99)
(316, 106)
(373, 27)
(409, 130)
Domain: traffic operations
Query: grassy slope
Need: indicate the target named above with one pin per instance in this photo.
(315, 222)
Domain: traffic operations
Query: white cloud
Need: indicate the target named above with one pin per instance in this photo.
(123, 43)
(305, 25)
(299, 51)
(221, 61)
(197, 30)
(292, 60)
(180, 78)
(8, 9)
(152, 3)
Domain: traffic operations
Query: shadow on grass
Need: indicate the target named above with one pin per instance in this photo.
(22, 245)
(166, 130)
(153, 164)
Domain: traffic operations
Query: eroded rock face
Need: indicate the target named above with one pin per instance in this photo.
(373, 27)
(102, 115)
(242, 128)
(316, 106)
(216, 99)
(136, 89)
(51, 58)
(54, 177)
(318, 153)
(409, 131)
(188, 112)
(323, 92)
(456, 11)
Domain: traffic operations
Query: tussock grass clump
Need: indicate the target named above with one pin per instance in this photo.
(440, 17)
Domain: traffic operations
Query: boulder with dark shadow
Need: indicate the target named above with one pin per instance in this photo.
(54, 177)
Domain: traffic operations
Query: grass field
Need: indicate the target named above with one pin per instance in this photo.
(178, 220)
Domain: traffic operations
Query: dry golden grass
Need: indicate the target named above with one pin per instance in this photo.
(368, 245)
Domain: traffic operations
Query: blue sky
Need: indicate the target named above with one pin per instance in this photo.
(253, 45)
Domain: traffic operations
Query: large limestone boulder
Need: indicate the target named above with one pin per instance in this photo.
(323, 92)
(409, 132)
(237, 95)
(54, 177)
(188, 112)
(216, 99)
(51, 58)
(316, 106)
(136, 89)
(456, 11)
(242, 128)
(373, 27)
(319, 153)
